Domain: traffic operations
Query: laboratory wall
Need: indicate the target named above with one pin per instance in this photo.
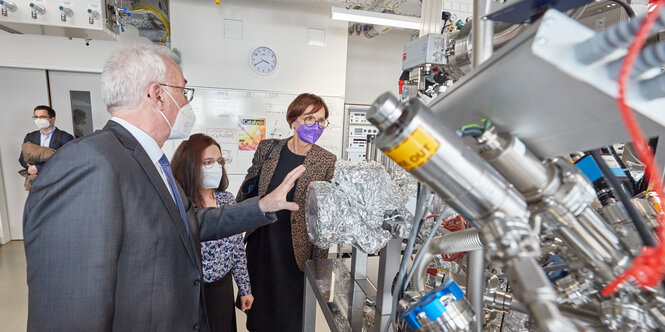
(210, 58)
(213, 56)
(374, 65)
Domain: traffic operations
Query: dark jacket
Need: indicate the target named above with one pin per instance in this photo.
(320, 166)
(36, 137)
(106, 247)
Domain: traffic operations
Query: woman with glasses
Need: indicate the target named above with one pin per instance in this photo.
(276, 253)
(199, 168)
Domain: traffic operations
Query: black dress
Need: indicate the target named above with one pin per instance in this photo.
(277, 282)
(220, 304)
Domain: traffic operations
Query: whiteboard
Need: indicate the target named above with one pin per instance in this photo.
(230, 116)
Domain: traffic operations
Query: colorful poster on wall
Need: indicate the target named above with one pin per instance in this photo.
(226, 138)
(251, 131)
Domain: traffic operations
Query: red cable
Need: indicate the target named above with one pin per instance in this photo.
(648, 269)
(455, 224)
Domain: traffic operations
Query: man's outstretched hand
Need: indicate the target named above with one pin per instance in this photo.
(276, 200)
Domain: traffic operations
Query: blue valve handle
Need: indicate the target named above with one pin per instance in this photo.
(431, 304)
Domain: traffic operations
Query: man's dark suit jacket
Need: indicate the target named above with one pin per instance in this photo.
(53, 144)
(106, 247)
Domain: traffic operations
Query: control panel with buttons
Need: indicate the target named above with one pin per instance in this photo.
(356, 133)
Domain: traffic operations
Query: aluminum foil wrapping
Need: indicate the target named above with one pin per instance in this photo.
(407, 184)
(511, 322)
(362, 207)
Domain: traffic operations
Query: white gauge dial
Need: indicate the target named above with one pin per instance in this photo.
(263, 60)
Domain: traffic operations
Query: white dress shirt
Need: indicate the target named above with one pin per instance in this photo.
(149, 145)
(46, 138)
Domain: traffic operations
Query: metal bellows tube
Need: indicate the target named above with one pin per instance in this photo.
(460, 241)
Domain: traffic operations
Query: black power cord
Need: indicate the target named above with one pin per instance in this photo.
(445, 17)
(642, 229)
(626, 7)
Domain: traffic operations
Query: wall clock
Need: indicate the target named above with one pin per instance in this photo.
(263, 60)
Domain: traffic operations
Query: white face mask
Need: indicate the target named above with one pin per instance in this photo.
(42, 123)
(212, 176)
(184, 121)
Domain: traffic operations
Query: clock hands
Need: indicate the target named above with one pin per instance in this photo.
(261, 61)
(261, 55)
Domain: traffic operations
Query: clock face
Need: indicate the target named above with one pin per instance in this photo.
(263, 60)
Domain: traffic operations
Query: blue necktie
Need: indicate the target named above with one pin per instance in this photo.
(176, 195)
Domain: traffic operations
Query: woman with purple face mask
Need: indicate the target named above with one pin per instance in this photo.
(276, 253)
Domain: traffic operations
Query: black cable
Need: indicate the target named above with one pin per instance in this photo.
(503, 315)
(626, 7)
(642, 229)
(630, 185)
(473, 132)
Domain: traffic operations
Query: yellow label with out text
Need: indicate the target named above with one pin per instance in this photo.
(415, 150)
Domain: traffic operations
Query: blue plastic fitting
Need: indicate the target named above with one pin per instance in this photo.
(431, 304)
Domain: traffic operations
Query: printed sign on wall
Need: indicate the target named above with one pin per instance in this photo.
(251, 132)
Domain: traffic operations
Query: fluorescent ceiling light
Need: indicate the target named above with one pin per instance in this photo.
(363, 16)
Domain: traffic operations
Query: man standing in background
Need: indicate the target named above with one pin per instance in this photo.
(47, 136)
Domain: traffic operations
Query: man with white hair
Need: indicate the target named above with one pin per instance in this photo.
(111, 240)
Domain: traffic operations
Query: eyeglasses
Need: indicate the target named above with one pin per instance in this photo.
(310, 121)
(188, 92)
(45, 117)
(209, 162)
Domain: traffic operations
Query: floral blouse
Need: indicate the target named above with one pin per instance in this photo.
(228, 254)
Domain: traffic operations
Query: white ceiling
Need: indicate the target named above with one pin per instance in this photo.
(400, 7)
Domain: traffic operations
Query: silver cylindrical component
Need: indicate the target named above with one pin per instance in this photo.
(514, 161)
(482, 31)
(498, 301)
(461, 49)
(653, 88)
(65, 12)
(7, 6)
(599, 229)
(92, 16)
(535, 292)
(416, 140)
(370, 149)
(475, 284)
(617, 36)
(37, 9)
